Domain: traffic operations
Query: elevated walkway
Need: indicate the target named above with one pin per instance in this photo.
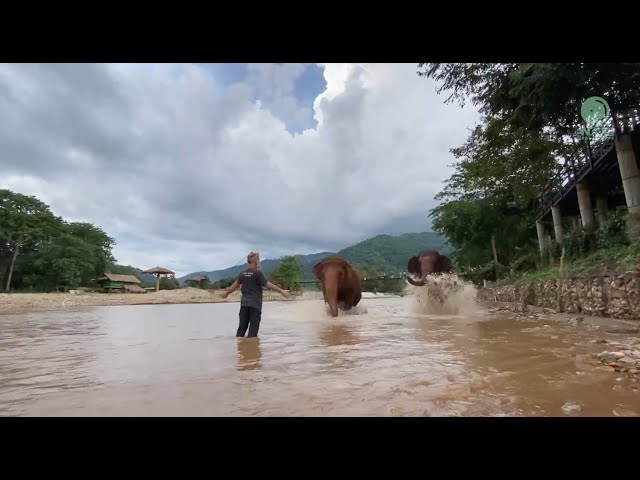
(594, 163)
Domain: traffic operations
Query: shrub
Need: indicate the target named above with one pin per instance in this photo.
(612, 233)
(580, 242)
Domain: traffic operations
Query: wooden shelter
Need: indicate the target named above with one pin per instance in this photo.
(197, 281)
(114, 281)
(158, 272)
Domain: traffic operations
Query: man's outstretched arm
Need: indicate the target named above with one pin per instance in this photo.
(234, 286)
(284, 293)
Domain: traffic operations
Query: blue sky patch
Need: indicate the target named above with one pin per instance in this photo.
(297, 117)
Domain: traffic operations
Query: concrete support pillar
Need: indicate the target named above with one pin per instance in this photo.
(575, 223)
(542, 236)
(584, 202)
(631, 184)
(602, 209)
(557, 223)
(629, 172)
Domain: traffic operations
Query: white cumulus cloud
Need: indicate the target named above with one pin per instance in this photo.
(188, 173)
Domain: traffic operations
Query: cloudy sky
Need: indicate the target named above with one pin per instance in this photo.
(192, 166)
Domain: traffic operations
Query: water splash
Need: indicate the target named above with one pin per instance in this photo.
(443, 295)
(357, 310)
(311, 305)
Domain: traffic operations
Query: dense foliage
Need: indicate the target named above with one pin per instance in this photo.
(529, 113)
(39, 251)
(287, 274)
(488, 201)
(537, 95)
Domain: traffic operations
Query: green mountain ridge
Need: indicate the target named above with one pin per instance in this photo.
(383, 253)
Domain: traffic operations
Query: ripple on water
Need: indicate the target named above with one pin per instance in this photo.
(387, 360)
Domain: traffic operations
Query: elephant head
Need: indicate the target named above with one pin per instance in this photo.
(427, 262)
(340, 283)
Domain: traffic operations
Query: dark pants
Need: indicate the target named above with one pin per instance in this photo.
(249, 317)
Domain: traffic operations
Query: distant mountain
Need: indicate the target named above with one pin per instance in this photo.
(267, 266)
(390, 254)
(384, 253)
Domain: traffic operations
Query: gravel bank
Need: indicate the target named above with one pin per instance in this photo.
(30, 302)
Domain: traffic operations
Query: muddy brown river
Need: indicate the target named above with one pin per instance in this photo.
(389, 359)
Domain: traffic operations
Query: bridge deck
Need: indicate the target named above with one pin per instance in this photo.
(597, 163)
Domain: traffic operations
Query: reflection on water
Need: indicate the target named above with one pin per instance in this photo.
(338, 334)
(249, 353)
(392, 357)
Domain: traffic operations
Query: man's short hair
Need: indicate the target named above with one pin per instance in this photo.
(251, 256)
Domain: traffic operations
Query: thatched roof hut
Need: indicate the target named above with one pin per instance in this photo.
(115, 281)
(158, 272)
(116, 277)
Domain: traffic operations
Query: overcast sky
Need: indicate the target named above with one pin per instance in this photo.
(192, 166)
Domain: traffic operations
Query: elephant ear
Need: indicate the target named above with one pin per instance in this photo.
(446, 264)
(317, 269)
(413, 266)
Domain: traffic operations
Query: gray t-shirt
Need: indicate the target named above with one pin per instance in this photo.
(251, 283)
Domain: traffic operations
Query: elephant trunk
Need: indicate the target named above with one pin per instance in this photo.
(416, 283)
(331, 292)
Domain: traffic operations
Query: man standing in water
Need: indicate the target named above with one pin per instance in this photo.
(251, 280)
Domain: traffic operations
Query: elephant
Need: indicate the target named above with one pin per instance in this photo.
(425, 263)
(340, 283)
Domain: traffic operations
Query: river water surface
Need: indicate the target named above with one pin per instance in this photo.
(388, 360)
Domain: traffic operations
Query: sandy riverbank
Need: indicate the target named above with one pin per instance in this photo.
(37, 302)
(30, 302)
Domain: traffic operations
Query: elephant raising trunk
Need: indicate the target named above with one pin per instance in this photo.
(427, 262)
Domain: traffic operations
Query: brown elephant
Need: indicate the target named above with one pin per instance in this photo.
(340, 283)
(427, 262)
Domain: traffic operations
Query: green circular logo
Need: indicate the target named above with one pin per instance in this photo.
(594, 110)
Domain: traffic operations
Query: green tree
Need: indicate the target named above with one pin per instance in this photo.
(537, 95)
(504, 162)
(124, 270)
(167, 283)
(287, 274)
(487, 213)
(25, 222)
(76, 255)
(529, 110)
(225, 282)
(64, 262)
(100, 244)
(39, 251)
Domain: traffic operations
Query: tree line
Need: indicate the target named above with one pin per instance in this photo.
(39, 251)
(530, 117)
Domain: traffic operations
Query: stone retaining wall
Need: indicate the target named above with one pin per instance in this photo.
(615, 296)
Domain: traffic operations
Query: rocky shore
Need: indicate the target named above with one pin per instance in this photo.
(607, 295)
(621, 352)
(626, 360)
